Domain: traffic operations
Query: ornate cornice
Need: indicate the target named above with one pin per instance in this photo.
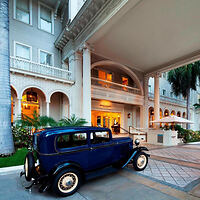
(87, 13)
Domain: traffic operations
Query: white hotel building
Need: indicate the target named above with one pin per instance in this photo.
(99, 59)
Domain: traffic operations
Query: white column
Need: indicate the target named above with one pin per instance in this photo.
(146, 103)
(87, 85)
(156, 99)
(142, 110)
(76, 102)
(19, 109)
(47, 109)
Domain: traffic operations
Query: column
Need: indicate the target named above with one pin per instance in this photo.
(19, 108)
(156, 99)
(47, 109)
(87, 84)
(146, 102)
(76, 102)
(142, 116)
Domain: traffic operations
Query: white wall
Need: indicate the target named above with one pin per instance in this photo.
(74, 7)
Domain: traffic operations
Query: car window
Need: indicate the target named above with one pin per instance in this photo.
(71, 140)
(99, 137)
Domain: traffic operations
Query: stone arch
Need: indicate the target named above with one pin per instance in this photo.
(173, 112)
(28, 106)
(14, 88)
(166, 113)
(151, 116)
(33, 86)
(122, 67)
(57, 90)
(179, 114)
(59, 105)
(14, 103)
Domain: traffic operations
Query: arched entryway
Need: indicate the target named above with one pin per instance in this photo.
(151, 117)
(178, 114)
(33, 99)
(166, 113)
(13, 104)
(173, 112)
(184, 115)
(59, 106)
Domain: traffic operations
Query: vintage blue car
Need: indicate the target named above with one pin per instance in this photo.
(62, 156)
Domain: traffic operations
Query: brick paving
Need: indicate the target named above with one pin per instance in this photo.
(173, 174)
(179, 153)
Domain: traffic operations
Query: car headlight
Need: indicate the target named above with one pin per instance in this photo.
(137, 142)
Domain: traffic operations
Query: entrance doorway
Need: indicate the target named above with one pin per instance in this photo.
(105, 119)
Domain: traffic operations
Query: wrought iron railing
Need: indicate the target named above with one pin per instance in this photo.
(113, 85)
(26, 66)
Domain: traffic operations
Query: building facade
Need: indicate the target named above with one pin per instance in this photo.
(56, 71)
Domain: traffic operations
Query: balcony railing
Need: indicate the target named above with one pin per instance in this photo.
(113, 85)
(28, 67)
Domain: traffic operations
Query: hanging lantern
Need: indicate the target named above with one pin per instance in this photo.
(31, 96)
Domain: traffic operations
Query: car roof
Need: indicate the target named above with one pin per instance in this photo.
(69, 129)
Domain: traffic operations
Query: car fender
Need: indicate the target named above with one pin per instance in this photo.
(66, 165)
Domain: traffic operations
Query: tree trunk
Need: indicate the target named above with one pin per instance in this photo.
(6, 139)
(188, 107)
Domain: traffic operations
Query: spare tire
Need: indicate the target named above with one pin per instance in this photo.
(29, 166)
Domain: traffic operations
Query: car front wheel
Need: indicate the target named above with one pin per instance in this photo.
(140, 161)
(67, 182)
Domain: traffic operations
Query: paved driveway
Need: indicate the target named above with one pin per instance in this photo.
(117, 185)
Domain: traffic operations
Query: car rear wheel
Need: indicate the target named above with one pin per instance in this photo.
(29, 166)
(140, 161)
(67, 182)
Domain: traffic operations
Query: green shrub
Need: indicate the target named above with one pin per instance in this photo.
(22, 136)
(187, 135)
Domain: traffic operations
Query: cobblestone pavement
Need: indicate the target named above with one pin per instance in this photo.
(170, 173)
(180, 153)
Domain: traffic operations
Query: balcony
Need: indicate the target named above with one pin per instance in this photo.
(39, 70)
(116, 86)
(169, 99)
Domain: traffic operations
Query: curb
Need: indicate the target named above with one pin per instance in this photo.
(7, 170)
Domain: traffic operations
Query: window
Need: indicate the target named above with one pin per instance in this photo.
(22, 51)
(149, 87)
(45, 17)
(72, 140)
(163, 92)
(46, 58)
(125, 81)
(104, 76)
(164, 75)
(99, 137)
(23, 11)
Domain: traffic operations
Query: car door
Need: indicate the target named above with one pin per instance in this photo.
(100, 149)
(73, 147)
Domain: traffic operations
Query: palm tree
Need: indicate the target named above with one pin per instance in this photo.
(6, 140)
(183, 79)
(73, 121)
(36, 121)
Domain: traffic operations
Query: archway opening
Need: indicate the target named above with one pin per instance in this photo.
(178, 114)
(151, 117)
(59, 106)
(13, 104)
(173, 112)
(33, 100)
(116, 76)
